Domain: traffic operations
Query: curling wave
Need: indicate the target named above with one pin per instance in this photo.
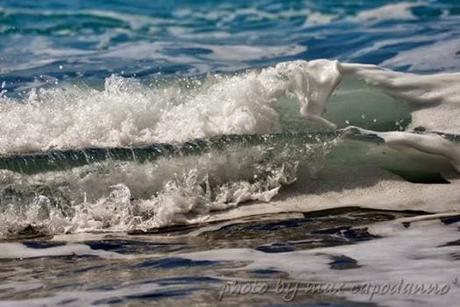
(141, 156)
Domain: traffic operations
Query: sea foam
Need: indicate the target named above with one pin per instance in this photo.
(116, 195)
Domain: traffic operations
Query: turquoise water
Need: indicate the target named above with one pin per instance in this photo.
(48, 41)
(142, 160)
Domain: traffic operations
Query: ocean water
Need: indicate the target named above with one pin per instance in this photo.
(229, 152)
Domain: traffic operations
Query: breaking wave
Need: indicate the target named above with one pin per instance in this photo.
(132, 155)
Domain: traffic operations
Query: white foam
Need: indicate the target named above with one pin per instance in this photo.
(384, 43)
(232, 57)
(413, 255)
(126, 112)
(437, 98)
(224, 16)
(20, 251)
(422, 59)
(312, 83)
(123, 196)
(431, 143)
(371, 187)
(398, 11)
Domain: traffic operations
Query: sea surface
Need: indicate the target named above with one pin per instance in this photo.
(153, 152)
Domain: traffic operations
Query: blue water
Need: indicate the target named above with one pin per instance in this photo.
(47, 41)
(84, 162)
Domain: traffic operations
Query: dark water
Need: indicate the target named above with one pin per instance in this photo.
(157, 268)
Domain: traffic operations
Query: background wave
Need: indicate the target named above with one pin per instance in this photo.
(60, 40)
